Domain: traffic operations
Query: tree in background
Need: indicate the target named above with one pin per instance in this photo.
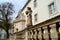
(6, 11)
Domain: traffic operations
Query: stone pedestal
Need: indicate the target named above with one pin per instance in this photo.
(53, 32)
(40, 34)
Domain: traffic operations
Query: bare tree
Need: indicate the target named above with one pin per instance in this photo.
(6, 11)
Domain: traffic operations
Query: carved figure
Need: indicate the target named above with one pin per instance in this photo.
(29, 16)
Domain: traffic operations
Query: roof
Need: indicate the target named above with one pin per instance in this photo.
(25, 5)
(22, 10)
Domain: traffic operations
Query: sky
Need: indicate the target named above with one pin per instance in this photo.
(18, 4)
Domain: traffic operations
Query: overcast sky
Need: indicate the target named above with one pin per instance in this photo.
(18, 4)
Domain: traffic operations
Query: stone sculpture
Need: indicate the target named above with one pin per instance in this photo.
(29, 16)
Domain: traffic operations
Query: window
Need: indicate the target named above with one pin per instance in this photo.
(52, 8)
(35, 17)
(35, 3)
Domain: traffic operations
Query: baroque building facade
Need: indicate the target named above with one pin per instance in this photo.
(42, 20)
(18, 27)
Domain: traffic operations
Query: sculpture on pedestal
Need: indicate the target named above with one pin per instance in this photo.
(29, 16)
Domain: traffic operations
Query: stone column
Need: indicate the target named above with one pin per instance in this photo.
(58, 30)
(45, 33)
(53, 32)
(31, 35)
(28, 35)
(35, 36)
(40, 34)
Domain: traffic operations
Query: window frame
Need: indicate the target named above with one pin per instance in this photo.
(35, 17)
(53, 10)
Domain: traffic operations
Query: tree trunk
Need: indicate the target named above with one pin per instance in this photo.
(7, 32)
